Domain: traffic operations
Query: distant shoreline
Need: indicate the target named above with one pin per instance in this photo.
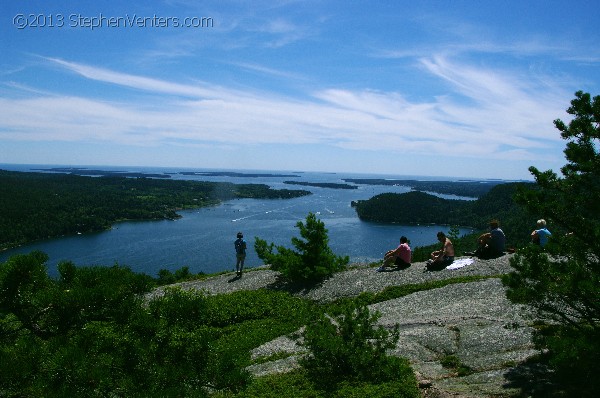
(83, 171)
(322, 184)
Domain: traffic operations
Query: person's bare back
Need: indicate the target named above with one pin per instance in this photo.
(448, 248)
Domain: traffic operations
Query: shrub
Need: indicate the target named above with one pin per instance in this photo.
(349, 347)
(314, 260)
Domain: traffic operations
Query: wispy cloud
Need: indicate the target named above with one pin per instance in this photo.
(487, 114)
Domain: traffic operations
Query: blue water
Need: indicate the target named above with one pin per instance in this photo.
(203, 239)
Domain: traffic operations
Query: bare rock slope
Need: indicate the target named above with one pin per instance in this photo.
(471, 324)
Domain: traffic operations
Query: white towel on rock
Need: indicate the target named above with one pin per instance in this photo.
(460, 263)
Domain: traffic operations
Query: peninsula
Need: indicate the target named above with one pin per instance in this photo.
(36, 206)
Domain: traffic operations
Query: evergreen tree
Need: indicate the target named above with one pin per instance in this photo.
(562, 281)
(313, 260)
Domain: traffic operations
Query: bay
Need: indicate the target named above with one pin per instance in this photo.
(203, 238)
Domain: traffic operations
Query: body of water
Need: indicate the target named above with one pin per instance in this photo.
(203, 238)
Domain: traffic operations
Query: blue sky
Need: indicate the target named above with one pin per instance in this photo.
(440, 88)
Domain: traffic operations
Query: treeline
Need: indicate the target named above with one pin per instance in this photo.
(421, 208)
(36, 206)
(473, 189)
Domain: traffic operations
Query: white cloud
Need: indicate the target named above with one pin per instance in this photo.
(486, 114)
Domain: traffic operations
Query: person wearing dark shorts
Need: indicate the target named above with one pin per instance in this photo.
(442, 258)
(400, 256)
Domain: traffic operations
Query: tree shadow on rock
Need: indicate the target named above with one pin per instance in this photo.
(282, 283)
(534, 378)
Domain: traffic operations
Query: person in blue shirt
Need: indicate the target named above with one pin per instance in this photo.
(240, 253)
(540, 235)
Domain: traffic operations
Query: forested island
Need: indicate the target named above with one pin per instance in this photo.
(474, 189)
(331, 185)
(422, 208)
(233, 174)
(37, 206)
(82, 171)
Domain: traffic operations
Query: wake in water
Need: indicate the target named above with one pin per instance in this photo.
(266, 212)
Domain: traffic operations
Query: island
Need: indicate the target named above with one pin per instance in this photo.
(465, 188)
(82, 171)
(36, 206)
(322, 184)
(234, 174)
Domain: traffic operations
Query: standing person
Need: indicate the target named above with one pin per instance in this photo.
(541, 234)
(443, 257)
(400, 256)
(240, 253)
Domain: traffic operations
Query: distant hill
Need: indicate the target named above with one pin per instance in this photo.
(468, 188)
(422, 208)
(414, 208)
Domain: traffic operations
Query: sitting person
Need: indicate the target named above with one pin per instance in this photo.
(491, 244)
(442, 258)
(400, 256)
(540, 235)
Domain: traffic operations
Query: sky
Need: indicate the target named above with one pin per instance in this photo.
(432, 88)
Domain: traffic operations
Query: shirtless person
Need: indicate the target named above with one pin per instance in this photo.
(443, 257)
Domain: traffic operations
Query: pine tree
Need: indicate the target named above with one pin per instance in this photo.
(313, 260)
(562, 280)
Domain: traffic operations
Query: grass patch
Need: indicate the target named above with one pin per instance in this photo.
(453, 362)
(394, 292)
(297, 384)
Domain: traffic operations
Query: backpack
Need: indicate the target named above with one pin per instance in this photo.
(240, 246)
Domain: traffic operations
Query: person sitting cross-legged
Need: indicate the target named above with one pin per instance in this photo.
(491, 244)
(442, 258)
(399, 257)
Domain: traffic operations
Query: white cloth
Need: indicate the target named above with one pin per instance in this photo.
(460, 263)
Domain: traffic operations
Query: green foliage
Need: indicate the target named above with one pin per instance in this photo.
(473, 189)
(166, 277)
(298, 384)
(289, 385)
(403, 388)
(245, 305)
(413, 207)
(349, 347)
(89, 334)
(454, 363)
(313, 260)
(574, 356)
(562, 281)
(37, 206)
(23, 279)
(423, 208)
(454, 234)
